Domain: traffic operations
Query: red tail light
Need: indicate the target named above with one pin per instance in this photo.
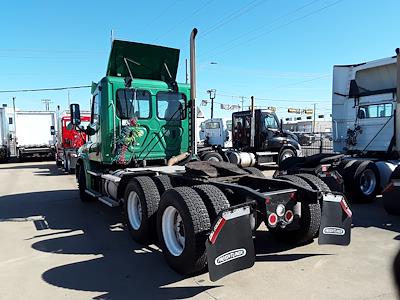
(289, 216)
(272, 219)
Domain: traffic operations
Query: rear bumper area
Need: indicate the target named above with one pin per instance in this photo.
(37, 151)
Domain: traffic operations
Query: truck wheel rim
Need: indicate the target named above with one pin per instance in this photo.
(368, 182)
(286, 155)
(134, 210)
(213, 158)
(173, 231)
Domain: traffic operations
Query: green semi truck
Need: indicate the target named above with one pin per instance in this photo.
(141, 155)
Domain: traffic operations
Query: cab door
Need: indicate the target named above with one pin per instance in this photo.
(93, 144)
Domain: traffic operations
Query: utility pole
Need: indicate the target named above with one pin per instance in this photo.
(242, 101)
(253, 123)
(212, 93)
(46, 104)
(69, 102)
(313, 129)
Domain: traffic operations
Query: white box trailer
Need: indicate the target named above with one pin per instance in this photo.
(4, 136)
(35, 133)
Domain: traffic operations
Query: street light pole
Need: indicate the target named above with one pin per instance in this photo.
(212, 93)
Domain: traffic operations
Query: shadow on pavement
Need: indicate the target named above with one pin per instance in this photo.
(120, 269)
(374, 215)
(116, 266)
(48, 169)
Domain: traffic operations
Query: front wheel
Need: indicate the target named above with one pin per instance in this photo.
(212, 156)
(182, 226)
(285, 153)
(82, 186)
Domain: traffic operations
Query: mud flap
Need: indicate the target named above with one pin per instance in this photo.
(336, 220)
(230, 245)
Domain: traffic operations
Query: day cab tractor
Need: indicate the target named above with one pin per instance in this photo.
(69, 140)
(141, 155)
(259, 143)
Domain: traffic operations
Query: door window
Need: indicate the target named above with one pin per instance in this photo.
(171, 106)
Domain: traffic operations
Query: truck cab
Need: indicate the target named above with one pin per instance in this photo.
(268, 134)
(217, 132)
(139, 114)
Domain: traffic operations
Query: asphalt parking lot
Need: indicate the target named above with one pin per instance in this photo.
(55, 247)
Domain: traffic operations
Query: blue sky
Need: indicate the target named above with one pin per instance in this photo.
(282, 52)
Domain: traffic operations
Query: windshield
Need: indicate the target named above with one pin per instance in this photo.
(270, 122)
(133, 103)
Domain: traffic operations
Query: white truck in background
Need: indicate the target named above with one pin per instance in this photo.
(217, 132)
(366, 124)
(4, 136)
(32, 133)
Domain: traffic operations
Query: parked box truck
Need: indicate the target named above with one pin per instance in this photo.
(4, 136)
(33, 133)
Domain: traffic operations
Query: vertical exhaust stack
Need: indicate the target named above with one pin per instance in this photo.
(397, 116)
(193, 91)
(253, 123)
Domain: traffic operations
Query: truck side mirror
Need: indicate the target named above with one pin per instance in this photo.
(52, 130)
(75, 114)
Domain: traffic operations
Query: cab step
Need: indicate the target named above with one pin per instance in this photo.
(106, 200)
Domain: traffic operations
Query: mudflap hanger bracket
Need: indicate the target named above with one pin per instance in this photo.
(335, 220)
(230, 246)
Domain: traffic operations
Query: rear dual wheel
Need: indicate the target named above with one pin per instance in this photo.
(141, 204)
(184, 218)
(361, 181)
(182, 225)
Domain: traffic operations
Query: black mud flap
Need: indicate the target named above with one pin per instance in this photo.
(336, 220)
(230, 245)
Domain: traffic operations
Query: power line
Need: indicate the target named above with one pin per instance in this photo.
(184, 20)
(263, 26)
(281, 26)
(46, 89)
(269, 99)
(234, 15)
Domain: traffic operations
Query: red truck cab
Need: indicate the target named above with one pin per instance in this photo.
(68, 142)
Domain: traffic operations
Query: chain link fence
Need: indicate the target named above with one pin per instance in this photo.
(315, 143)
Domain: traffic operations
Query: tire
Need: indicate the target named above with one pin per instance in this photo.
(361, 181)
(184, 204)
(213, 198)
(141, 204)
(309, 222)
(66, 163)
(212, 156)
(254, 171)
(286, 153)
(163, 183)
(315, 182)
(82, 186)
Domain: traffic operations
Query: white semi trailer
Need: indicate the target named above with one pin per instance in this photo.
(366, 124)
(4, 136)
(32, 133)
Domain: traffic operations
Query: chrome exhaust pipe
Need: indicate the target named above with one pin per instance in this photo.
(193, 126)
(397, 111)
